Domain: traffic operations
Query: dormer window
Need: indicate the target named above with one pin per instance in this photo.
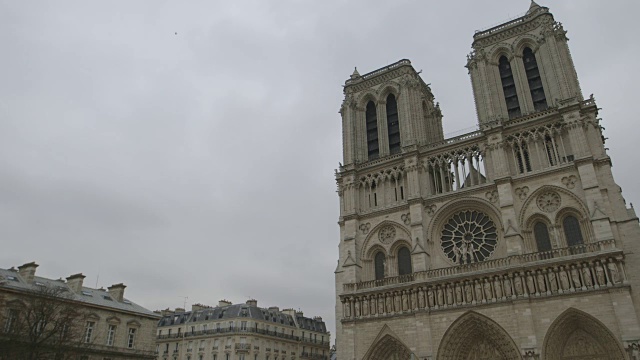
(509, 88)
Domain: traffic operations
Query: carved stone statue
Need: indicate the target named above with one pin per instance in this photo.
(564, 280)
(372, 305)
(405, 301)
(397, 302)
(575, 277)
(613, 271)
(380, 304)
(389, 303)
(600, 275)
(449, 295)
(347, 309)
(553, 282)
(356, 307)
(440, 294)
(412, 299)
(517, 282)
(586, 276)
(365, 307)
(468, 293)
(459, 299)
(488, 294)
(478, 288)
(531, 287)
(430, 297)
(542, 286)
(421, 302)
(507, 287)
(497, 285)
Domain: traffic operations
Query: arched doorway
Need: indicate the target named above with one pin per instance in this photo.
(578, 335)
(476, 337)
(387, 347)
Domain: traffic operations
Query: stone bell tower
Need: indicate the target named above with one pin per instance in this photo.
(522, 70)
(509, 242)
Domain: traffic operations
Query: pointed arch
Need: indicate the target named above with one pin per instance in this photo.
(387, 346)
(473, 332)
(576, 334)
(401, 234)
(569, 199)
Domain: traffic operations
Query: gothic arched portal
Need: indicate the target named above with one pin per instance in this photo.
(578, 335)
(387, 347)
(476, 337)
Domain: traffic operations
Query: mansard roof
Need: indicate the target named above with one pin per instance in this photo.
(12, 280)
(245, 311)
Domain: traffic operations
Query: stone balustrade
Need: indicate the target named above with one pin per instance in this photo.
(550, 273)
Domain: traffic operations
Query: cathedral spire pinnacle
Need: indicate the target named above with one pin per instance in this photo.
(533, 7)
(355, 74)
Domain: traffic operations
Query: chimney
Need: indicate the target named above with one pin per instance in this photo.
(117, 291)
(274, 308)
(299, 314)
(197, 307)
(252, 302)
(291, 312)
(179, 311)
(28, 271)
(75, 282)
(224, 302)
(317, 318)
(166, 312)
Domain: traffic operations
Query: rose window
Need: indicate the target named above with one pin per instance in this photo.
(469, 236)
(549, 201)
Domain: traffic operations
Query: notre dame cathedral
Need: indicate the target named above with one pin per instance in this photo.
(509, 242)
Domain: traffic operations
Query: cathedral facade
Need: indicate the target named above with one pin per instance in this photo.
(509, 242)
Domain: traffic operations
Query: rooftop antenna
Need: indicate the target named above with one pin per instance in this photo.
(184, 333)
(97, 278)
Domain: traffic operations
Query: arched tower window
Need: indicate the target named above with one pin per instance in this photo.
(372, 131)
(393, 126)
(379, 261)
(572, 231)
(404, 261)
(534, 79)
(509, 87)
(541, 233)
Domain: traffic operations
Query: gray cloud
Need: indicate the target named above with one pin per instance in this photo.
(200, 163)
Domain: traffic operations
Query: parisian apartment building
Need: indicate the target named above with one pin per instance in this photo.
(512, 241)
(241, 332)
(44, 318)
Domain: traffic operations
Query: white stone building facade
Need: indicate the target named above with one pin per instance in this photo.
(509, 242)
(241, 332)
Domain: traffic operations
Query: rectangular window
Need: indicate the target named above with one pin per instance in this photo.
(227, 357)
(89, 331)
(241, 357)
(132, 338)
(193, 329)
(243, 326)
(111, 334)
(215, 357)
(230, 324)
(204, 327)
(169, 331)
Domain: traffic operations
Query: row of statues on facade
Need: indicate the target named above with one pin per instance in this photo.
(540, 282)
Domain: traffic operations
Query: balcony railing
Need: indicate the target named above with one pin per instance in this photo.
(581, 269)
(243, 347)
(501, 263)
(227, 331)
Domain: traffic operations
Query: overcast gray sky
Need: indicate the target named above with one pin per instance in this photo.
(201, 163)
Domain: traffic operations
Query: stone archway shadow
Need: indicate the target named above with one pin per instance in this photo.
(476, 337)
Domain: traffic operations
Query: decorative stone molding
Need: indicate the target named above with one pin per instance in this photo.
(522, 192)
(431, 209)
(406, 218)
(570, 181)
(549, 201)
(424, 291)
(530, 354)
(492, 196)
(365, 228)
(387, 234)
